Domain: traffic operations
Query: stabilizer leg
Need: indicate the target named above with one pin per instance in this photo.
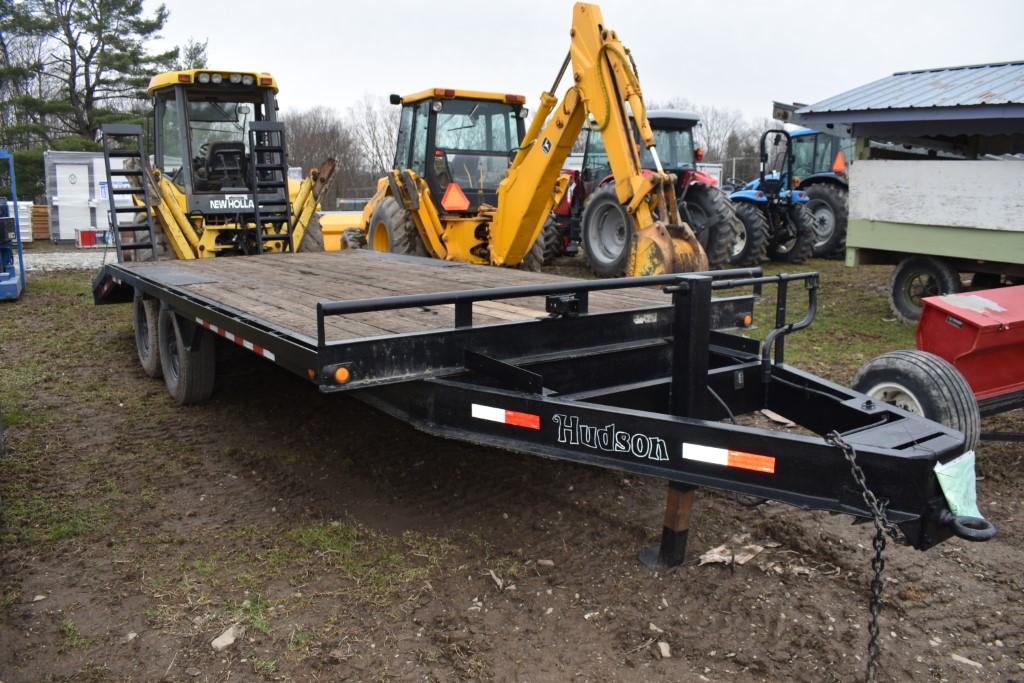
(674, 533)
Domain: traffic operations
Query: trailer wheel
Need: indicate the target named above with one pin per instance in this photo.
(829, 209)
(751, 246)
(188, 374)
(917, 277)
(551, 236)
(800, 248)
(714, 222)
(392, 229)
(607, 233)
(924, 384)
(145, 320)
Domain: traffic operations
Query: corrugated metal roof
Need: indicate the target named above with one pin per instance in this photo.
(959, 86)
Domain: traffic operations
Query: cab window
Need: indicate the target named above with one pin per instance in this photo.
(595, 163)
(404, 136)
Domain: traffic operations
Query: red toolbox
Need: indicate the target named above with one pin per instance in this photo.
(982, 334)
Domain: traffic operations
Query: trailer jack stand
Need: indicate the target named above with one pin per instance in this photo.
(671, 551)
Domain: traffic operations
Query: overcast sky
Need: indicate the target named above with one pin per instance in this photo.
(739, 55)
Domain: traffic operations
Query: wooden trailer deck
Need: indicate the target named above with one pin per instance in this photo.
(282, 290)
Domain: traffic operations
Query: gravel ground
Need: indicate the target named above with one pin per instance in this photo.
(79, 259)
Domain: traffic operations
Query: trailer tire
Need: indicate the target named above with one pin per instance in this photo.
(714, 222)
(146, 323)
(551, 236)
(923, 383)
(917, 277)
(751, 246)
(188, 374)
(801, 247)
(312, 236)
(607, 233)
(829, 209)
(392, 230)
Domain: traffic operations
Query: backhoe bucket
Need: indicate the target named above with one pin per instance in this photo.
(661, 248)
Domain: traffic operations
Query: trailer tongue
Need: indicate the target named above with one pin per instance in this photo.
(611, 373)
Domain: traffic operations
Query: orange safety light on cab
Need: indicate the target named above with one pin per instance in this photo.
(839, 165)
(184, 78)
(515, 99)
(444, 92)
(454, 198)
(698, 154)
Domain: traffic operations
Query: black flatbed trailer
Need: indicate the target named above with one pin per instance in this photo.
(644, 375)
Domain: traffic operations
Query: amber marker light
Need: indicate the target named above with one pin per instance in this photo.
(342, 375)
(748, 320)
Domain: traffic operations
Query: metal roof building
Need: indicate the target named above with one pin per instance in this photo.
(947, 105)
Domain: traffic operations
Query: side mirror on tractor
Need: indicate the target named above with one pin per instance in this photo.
(394, 99)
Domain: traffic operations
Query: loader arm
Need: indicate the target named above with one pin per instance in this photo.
(605, 81)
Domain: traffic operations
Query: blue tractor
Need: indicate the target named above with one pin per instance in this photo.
(820, 162)
(12, 263)
(775, 217)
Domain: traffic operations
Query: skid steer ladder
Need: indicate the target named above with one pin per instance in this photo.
(125, 141)
(272, 210)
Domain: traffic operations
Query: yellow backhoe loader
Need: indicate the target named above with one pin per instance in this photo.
(219, 180)
(469, 185)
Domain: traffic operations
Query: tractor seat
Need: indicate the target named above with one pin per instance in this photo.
(226, 165)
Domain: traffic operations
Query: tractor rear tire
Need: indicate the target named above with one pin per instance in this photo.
(924, 384)
(551, 236)
(751, 246)
(829, 208)
(145, 320)
(534, 259)
(313, 236)
(188, 374)
(801, 247)
(392, 230)
(714, 222)
(917, 277)
(607, 233)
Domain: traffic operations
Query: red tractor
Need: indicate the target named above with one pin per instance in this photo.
(590, 214)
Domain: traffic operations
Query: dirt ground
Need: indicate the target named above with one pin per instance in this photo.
(346, 546)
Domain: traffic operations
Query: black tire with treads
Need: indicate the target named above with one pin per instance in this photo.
(752, 247)
(833, 198)
(551, 236)
(800, 248)
(188, 374)
(938, 387)
(714, 222)
(400, 231)
(145, 323)
(939, 276)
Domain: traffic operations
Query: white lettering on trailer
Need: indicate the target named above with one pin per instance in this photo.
(608, 438)
(255, 348)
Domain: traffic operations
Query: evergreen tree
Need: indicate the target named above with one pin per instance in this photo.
(93, 65)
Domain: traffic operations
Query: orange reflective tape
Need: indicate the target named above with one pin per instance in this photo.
(518, 419)
(751, 461)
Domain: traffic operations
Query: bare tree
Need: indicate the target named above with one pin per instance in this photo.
(320, 133)
(374, 122)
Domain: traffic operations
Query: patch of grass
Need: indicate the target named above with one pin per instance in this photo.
(265, 666)
(379, 565)
(37, 518)
(61, 283)
(8, 599)
(71, 638)
(253, 611)
(300, 640)
(204, 567)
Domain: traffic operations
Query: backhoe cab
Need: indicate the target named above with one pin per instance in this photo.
(218, 183)
(470, 185)
(454, 148)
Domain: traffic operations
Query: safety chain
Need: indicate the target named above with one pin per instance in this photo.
(882, 527)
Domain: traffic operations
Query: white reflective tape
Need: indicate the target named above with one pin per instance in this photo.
(488, 413)
(247, 344)
(708, 454)
(269, 355)
(227, 335)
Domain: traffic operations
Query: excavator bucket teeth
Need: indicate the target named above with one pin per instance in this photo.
(660, 248)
